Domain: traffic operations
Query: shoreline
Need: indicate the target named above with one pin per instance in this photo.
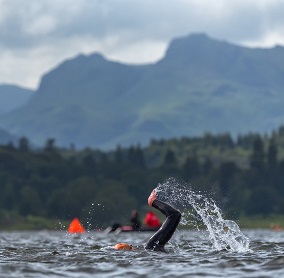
(32, 223)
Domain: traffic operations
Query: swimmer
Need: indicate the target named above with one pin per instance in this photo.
(158, 241)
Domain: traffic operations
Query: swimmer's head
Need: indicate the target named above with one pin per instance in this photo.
(123, 246)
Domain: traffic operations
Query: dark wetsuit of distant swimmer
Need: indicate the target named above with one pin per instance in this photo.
(164, 234)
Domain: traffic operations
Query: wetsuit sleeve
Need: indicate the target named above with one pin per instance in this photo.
(164, 234)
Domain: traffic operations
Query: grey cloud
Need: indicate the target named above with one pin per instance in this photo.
(50, 30)
(274, 17)
(133, 20)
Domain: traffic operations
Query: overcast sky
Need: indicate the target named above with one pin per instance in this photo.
(37, 35)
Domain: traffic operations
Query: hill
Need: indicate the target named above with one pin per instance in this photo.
(201, 85)
(13, 97)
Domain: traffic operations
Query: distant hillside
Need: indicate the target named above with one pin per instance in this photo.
(200, 85)
(13, 97)
(6, 138)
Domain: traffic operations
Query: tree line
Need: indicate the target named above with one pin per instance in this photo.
(245, 176)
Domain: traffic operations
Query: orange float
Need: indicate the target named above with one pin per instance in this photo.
(76, 227)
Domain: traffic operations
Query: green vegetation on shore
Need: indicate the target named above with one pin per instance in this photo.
(261, 222)
(13, 222)
(245, 177)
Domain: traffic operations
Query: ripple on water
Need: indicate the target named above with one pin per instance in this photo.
(190, 254)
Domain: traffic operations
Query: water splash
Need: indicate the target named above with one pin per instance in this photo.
(223, 234)
(90, 217)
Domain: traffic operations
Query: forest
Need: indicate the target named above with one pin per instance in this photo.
(244, 175)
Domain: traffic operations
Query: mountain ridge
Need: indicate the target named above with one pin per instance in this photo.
(200, 85)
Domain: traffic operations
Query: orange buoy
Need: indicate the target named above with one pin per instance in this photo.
(76, 227)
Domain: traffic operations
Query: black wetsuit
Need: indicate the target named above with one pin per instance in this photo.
(164, 234)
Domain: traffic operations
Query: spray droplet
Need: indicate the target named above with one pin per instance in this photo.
(223, 234)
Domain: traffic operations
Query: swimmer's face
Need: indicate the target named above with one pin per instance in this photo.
(123, 246)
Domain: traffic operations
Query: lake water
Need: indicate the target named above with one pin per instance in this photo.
(219, 250)
(190, 254)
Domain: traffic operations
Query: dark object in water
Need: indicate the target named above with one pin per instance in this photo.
(117, 229)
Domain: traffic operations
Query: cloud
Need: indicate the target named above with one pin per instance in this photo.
(36, 35)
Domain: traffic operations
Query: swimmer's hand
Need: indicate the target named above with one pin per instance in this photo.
(152, 198)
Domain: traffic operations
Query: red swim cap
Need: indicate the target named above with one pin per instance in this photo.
(123, 246)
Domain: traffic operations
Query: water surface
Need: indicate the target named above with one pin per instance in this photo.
(190, 254)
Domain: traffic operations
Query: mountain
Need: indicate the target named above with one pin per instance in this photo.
(77, 99)
(207, 85)
(13, 97)
(200, 85)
